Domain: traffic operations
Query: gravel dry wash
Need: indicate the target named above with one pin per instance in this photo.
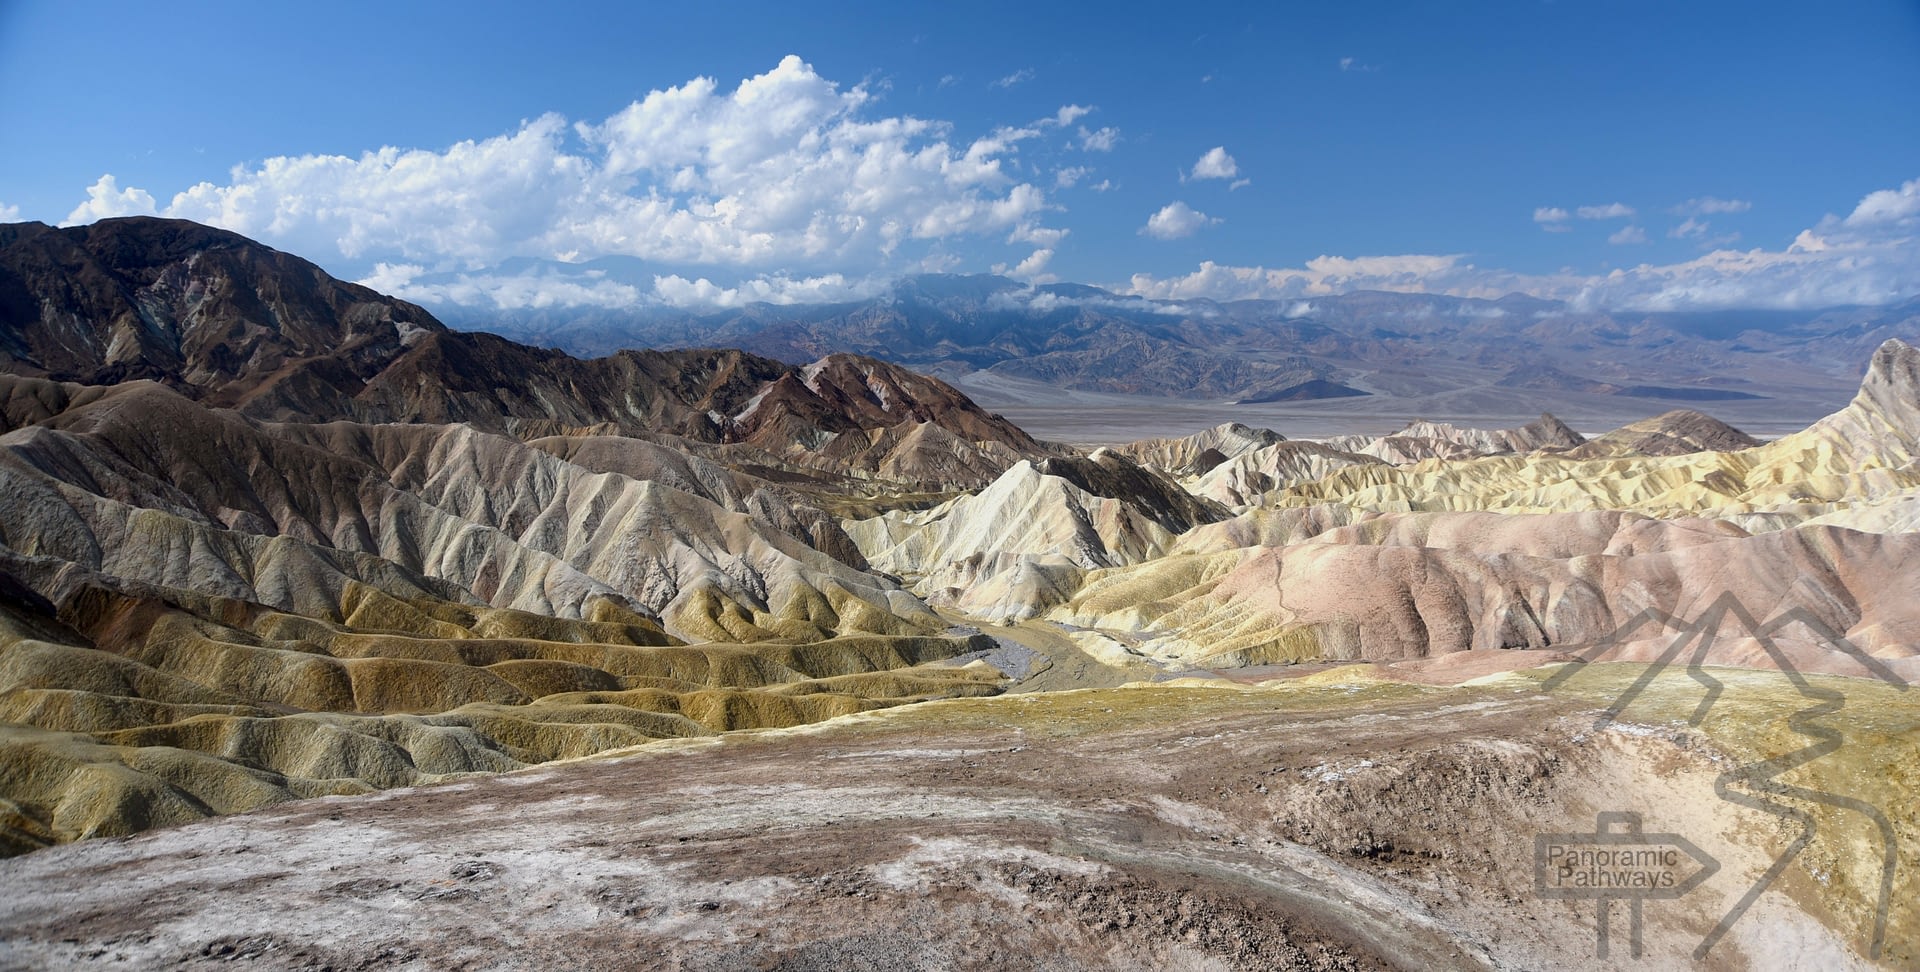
(1332, 822)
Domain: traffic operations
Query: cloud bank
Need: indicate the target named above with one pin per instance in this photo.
(557, 287)
(1871, 256)
(785, 172)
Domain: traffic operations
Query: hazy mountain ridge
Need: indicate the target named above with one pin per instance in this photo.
(1088, 339)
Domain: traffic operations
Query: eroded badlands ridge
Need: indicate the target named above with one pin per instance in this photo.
(319, 544)
(267, 536)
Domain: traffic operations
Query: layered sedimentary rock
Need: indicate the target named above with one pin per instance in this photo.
(207, 613)
(1241, 478)
(1021, 544)
(1245, 478)
(1442, 440)
(1860, 457)
(125, 706)
(1599, 584)
(1880, 428)
(1341, 555)
(1383, 561)
(516, 526)
(1200, 452)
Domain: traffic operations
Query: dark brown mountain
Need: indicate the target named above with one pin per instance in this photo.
(235, 324)
(1674, 433)
(185, 304)
(1306, 391)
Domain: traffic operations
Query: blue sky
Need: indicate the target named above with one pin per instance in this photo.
(1622, 154)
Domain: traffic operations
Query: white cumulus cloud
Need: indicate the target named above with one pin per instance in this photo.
(1176, 220)
(785, 170)
(1032, 269)
(1034, 264)
(1325, 275)
(105, 200)
(1216, 164)
(1627, 235)
(1067, 115)
(774, 289)
(1890, 209)
(9, 214)
(1101, 141)
(522, 291)
(1553, 219)
(1869, 257)
(1067, 176)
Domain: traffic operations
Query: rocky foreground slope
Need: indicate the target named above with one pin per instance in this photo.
(1338, 822)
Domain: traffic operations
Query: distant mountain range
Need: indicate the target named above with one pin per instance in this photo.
(1393, 345)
